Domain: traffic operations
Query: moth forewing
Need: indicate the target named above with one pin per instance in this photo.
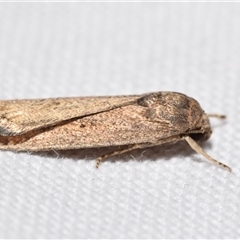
(21, 116)
(132, 122)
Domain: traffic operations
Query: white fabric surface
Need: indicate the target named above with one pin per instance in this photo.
(80, 49)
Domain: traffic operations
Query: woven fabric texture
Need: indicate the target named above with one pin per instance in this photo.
(89, 49)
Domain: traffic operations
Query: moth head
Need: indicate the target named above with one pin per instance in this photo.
(178, 113)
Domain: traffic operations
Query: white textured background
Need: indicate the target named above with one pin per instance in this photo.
(77, 49)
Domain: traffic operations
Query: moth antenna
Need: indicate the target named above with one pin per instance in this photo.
(217, 115)
(199, 150)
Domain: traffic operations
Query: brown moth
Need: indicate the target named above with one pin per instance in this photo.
(135, 121)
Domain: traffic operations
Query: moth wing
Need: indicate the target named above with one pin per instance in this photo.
(20, 116)
(120, 126)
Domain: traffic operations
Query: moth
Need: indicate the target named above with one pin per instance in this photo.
(132, 122)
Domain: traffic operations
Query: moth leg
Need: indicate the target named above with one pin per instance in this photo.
(117, 152)
(199, 150)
